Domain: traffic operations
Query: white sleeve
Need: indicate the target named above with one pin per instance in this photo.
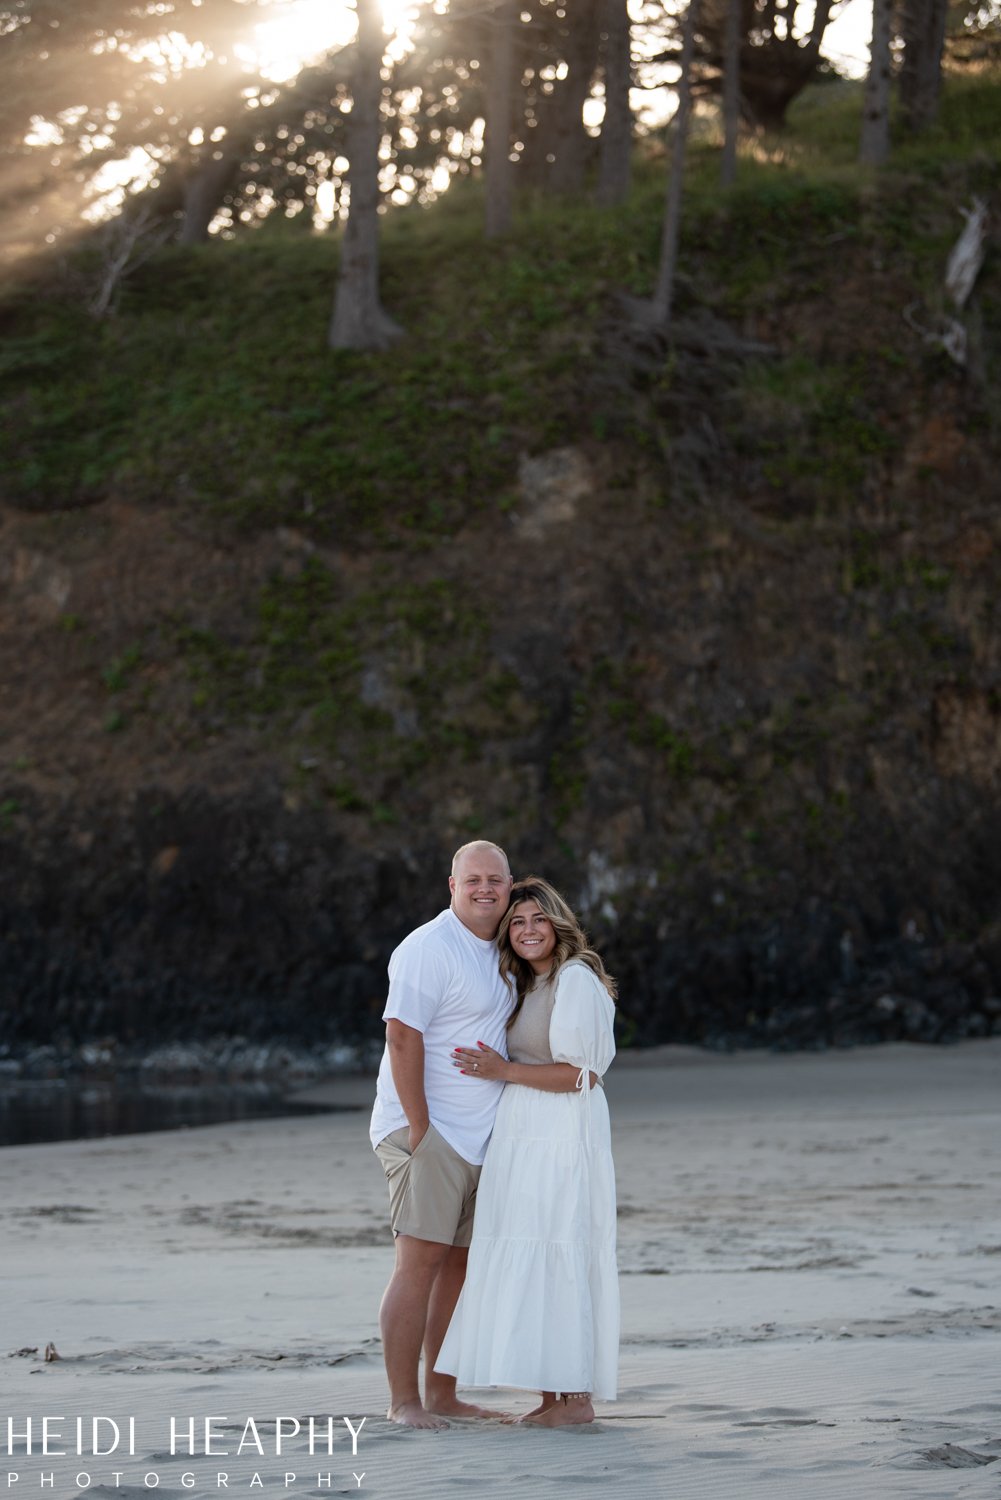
(580, 1030)
(419, 975)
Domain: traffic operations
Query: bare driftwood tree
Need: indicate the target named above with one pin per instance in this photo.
(874, 146)
(500, 26)
(126, 243)
(967, 254)
(961, 272)
(731, 89)
(615, 160)
(664, 290)
(359, 320)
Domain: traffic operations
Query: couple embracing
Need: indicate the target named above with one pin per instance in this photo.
(498, 1030)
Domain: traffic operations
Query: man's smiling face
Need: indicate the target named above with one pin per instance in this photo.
(480, 885)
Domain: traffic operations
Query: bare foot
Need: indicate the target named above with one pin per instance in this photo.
(562, 1414)
(548, 1400)
(413, 1414)
(451, 1406)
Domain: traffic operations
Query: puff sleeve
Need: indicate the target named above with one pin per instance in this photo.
(580, 1030)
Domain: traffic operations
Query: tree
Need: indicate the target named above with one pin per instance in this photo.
(559, 59)
(923, 30)
(615, 158)
(203, 188)
(570, 140)
(777, 61)
(973, 36)
(87, 84)
(501, 22)
(268, 151)
(359, 320)
(875, 142)
(671, 229)
(731, 91)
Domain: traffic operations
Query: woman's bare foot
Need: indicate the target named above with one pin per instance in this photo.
(572, 1412)
(546, 1400)
(413, 1414)
(451, 1406)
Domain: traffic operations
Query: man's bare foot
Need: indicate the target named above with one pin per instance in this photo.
(562, 1414)
(451, 1406)
(413, 1414)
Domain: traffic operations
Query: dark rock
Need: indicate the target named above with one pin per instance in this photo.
(189, 918)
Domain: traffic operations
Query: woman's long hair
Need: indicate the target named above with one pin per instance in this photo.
(571, 939)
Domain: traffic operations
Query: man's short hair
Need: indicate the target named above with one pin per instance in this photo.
(479, 844)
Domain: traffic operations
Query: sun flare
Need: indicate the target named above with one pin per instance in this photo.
(300, 31)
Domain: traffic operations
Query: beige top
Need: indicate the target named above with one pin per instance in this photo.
(528, 1038)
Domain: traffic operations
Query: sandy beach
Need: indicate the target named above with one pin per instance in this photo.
(810, 1258)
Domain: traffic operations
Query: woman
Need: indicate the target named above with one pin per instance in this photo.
(540, 1305)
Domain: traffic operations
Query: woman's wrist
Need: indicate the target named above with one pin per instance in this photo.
(552, 1078)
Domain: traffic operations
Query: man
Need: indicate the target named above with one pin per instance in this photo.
(430, 1124)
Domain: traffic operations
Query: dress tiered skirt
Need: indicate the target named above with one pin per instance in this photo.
(540, 1306)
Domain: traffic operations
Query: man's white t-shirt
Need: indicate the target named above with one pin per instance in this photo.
(445, 983)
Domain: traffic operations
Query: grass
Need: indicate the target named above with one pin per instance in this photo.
(380, 678)
(815, 427)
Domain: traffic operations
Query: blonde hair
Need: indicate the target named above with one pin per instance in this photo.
(571, 939)
(478, 844)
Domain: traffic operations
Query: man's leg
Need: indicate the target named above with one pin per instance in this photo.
(403, 1317)
(439, 1390)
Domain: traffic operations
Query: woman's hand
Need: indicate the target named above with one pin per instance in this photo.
(481, 1061)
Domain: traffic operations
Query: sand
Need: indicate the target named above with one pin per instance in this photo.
(810, 1254)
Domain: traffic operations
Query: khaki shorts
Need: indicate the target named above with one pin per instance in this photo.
(432, 1193)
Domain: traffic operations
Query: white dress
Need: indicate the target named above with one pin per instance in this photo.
(540, 1306)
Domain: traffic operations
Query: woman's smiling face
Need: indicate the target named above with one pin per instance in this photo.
(532, 935)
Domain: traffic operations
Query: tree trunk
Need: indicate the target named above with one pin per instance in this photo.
(821, 16)
(615, 161)
(765, 20)
(731, 91)
(967, 255)
(499, 94)
(664, 292)
(359, 321)
(204, 188)
(921, 73)
(874, 146)
(571, 143)
(772, 76)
